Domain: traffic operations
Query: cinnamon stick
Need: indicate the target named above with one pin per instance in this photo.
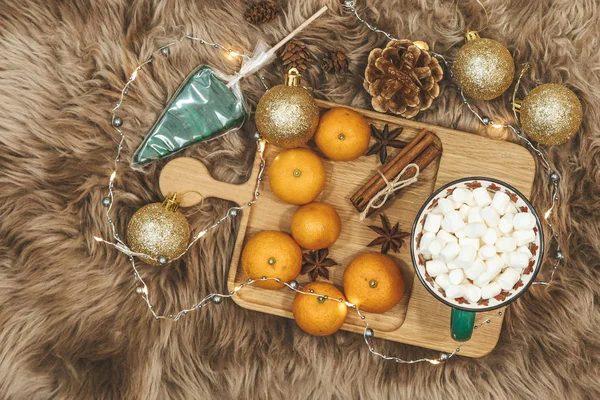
(408, 148)
(422, 150)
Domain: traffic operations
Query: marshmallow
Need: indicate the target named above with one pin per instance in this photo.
(506, 244)
(490, 236)
(452, 265)
(524, 237)
(443, 281)
(472, 293)
(511, 208)
(474, 215)
(517, 259)
(487, 252)
(462, 195)
(426, 239)
(500, 202)
(435, 247)
(446, 237)
(483, 280)
(466, 256)
(436, 210)
(490, 290)
(464, 212)
(523, 221)
(445, 205)
(456, 276)
(482, 197)
(506, 223)
(490, 216)
(450, 252)
(452, 221)
(460, 233)
(525, 249)
(475, 230)
(509, 278)
(476, 269)
(474, 242)
(435, 256)
(435, 268)
(494, 266)
(432, 223)
(455, 291)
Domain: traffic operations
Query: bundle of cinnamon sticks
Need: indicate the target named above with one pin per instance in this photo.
(422, 150)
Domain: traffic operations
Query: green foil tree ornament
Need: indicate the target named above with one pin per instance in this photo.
(202, 108)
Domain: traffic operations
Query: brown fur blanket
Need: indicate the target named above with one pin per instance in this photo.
(71, 326)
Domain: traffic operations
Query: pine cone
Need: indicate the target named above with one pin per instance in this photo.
(335, 61)
(294, 55)
(402, 78)
(261, 13)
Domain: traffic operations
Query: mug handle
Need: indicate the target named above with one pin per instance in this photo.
(461, 324)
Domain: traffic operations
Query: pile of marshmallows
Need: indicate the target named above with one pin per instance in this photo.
(476, 246)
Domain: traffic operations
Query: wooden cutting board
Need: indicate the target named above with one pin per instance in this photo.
(419, 319)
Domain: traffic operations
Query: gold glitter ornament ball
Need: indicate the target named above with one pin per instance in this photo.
(551, 114)
(483, 68)
(287, 115)
(159, 230)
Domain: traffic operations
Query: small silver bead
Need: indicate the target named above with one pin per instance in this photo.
(233, 212)
(164, 51)
(162, 260)
(256, 135)
(139, 290)
(106, 201)
(485, 120)
(311, 291)
(554, 177)
(369, 333)
(117, 122)
(217, 299)
(444, 356)
(559, 256)
(294, 284)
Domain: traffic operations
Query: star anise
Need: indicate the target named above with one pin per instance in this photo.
(383, 139)
(390, 238)
(315, 264)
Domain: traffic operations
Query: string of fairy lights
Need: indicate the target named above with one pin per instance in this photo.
(216, 298)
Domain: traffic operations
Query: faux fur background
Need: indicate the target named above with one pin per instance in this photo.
(71, 326)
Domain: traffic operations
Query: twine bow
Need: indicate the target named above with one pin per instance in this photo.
(390, 188)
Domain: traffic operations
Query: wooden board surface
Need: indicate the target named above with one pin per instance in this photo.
(419, 319)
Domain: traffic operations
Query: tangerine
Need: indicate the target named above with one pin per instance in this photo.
(343, 134)
(272, 254)
(316, 226)
(320, 315)
(374, 282)
(297, 176)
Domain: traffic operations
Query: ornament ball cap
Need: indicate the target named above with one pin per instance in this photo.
(171, 202)
(293, 77)
(471, 35)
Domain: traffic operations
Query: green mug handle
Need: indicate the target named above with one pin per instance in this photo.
(461, 324)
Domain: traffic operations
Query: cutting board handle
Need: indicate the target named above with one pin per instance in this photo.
(189, 175)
